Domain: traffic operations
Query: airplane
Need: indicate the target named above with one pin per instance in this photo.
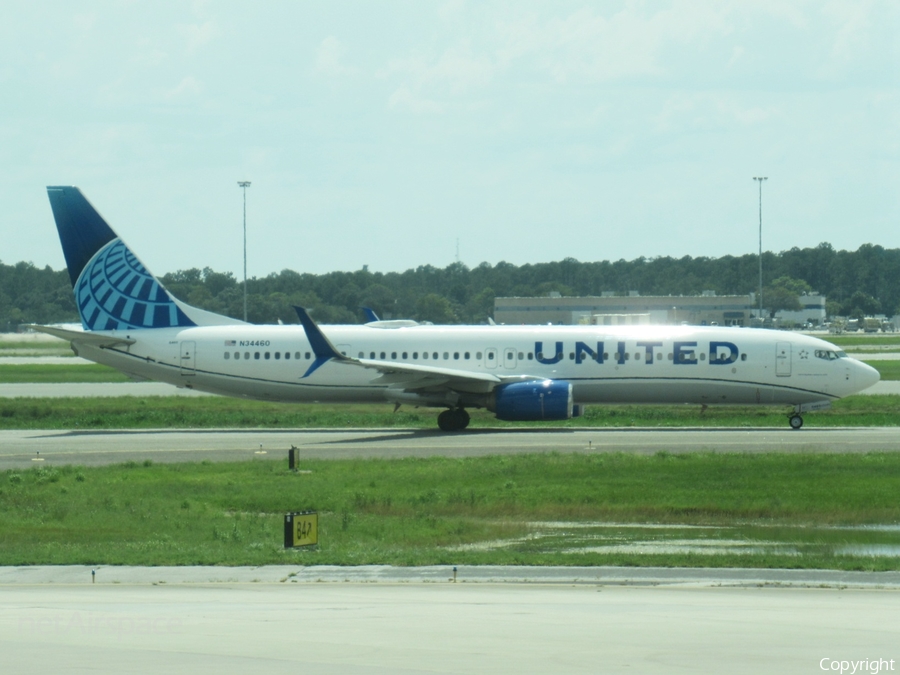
(520, 373)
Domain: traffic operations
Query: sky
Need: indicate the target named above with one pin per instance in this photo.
(396, 134)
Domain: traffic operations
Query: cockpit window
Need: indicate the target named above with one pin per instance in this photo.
(842, 355)
(829, 355)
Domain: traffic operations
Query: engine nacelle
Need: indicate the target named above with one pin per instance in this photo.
(532, 401)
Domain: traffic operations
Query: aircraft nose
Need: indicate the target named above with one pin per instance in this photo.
(864, 375)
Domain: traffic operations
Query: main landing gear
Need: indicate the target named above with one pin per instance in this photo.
(454, 419)
(795, 421)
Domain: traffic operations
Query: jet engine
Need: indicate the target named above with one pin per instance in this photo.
(532, 401)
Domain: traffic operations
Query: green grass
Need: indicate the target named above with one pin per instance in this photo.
(890, 370)
(59, 373)
(128, 412)
(862, 339)
(494, 510)
(35, 348)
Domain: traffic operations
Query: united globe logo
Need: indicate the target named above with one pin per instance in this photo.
(115, 291)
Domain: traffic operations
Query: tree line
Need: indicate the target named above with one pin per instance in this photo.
(856, 283)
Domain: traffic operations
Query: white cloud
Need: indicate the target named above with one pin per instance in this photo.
(328, 58)
(709, 111)
(456, 68)
(188, 88)
(197, 36)
(404, 99)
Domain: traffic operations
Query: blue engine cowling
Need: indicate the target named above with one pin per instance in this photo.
(532, 401)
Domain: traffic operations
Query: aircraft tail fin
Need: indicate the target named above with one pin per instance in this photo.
(113, 289)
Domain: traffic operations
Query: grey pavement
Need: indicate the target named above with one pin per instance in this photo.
(364, 628)
(25, 448)
(75, 575)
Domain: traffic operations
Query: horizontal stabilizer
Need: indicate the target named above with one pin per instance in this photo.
(83, 337)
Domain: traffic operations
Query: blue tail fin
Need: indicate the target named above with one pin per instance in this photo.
(113, 290)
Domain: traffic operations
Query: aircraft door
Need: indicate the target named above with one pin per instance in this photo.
(490, 357)
(188, 358)
(783, 359)
(509, 358)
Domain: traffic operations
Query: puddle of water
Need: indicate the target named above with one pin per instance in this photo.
(873, 550)
(656, 538)
(683, 547)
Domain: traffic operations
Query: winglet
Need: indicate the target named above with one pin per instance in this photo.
(321, 345)
(369, 314)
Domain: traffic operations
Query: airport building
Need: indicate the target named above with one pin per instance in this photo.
(610, 309)
(813, 311)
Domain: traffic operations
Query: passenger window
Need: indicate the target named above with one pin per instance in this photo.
(256, 355)
(307, 356)
(246, 355)
(702, 356)
(424, 355)
(287, 355)
(405, 356)
(415, 355)
(227, 355)
(521, 356)
(466, 356)
(434, 355)
(371, 355)
(382, 355)
(478, 355)
(277, 356)
(394, 356)
(456, 356)
(490, 356)
(637, 356)
(362, 355)
(530, 356)
(659, 357)
(267, 356)
(540, 355)
(571, 356)
(670, 357)
(743, 357)
(237, 355)
(606, 356)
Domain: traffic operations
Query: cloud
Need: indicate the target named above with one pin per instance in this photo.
(709, 112)
(328, 59)
(189, 87)
(197, 36)
(404, 99)
(456, 69)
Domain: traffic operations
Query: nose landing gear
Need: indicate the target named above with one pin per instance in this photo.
(454, 419)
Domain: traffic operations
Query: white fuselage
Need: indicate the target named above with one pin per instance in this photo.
(620, 364)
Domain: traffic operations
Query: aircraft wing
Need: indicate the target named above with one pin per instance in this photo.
(406, 376)
(83, 337)
(412, 377)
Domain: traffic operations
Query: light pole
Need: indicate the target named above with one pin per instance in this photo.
(760, 180)
(244, 184)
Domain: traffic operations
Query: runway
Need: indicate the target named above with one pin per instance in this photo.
(24, 448)
(364, 628)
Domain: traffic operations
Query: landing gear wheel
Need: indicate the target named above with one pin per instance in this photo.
(454, 419)
(796, 421)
